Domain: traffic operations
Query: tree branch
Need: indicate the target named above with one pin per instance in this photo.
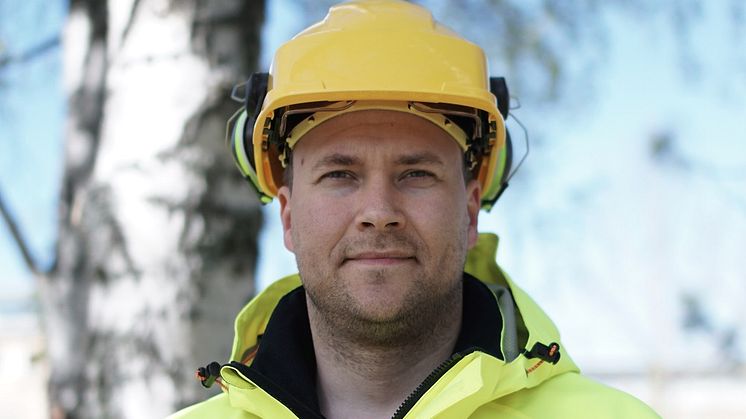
(18, 237)
(31, 53)
(130, 22)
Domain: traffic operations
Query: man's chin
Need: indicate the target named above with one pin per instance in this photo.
(378, 306)
(377, 327)
(384, 298)
(379, 315)
(367, 274)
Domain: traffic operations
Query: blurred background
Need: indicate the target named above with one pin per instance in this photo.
(129, 241)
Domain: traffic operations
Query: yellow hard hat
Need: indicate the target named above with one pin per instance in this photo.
(367, 54)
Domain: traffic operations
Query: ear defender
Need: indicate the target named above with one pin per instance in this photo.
(499, 183)
(241, 143)
(252, 92)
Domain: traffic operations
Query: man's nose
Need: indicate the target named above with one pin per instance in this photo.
(379, 207)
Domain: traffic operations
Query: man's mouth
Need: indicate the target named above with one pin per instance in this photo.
(380, 258)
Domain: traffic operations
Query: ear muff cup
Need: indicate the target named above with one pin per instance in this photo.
(241, 142)
(499, 88)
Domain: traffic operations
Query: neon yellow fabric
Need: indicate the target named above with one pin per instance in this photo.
(478, 386)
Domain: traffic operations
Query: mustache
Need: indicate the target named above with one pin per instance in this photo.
(379, 242)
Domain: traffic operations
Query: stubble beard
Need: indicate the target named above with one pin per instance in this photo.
(433, 300)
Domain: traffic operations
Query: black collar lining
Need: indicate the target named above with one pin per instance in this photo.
(286, 357)
(481, 326)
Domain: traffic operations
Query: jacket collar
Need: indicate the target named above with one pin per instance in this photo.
(285, 365)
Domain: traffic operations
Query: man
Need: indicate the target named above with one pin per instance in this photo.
(381, 138)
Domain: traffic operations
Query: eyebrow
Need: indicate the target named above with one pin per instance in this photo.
(424, 157)
(336, 159)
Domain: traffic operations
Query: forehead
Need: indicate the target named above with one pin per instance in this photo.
(377, 131)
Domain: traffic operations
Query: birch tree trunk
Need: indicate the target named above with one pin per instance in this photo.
(157, 239)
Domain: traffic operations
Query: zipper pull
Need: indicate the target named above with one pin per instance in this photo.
(207, 375)
(546, 353)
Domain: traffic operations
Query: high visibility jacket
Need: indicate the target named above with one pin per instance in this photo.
(508, 361)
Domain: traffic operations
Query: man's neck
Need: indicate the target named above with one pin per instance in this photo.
(361, 381)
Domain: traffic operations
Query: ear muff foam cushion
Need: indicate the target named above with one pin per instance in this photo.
(508, 158)
(505, 160)
(248, 146)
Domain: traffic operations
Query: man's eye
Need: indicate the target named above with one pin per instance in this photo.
(337, 174)
(418, 174)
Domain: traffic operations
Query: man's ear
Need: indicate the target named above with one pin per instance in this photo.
(283, 195)
(473, 205)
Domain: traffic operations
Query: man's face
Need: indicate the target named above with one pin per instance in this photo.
(379, 219)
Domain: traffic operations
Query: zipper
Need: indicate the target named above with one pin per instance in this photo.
(427, 383)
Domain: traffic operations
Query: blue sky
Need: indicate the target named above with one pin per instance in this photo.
(31, 121)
